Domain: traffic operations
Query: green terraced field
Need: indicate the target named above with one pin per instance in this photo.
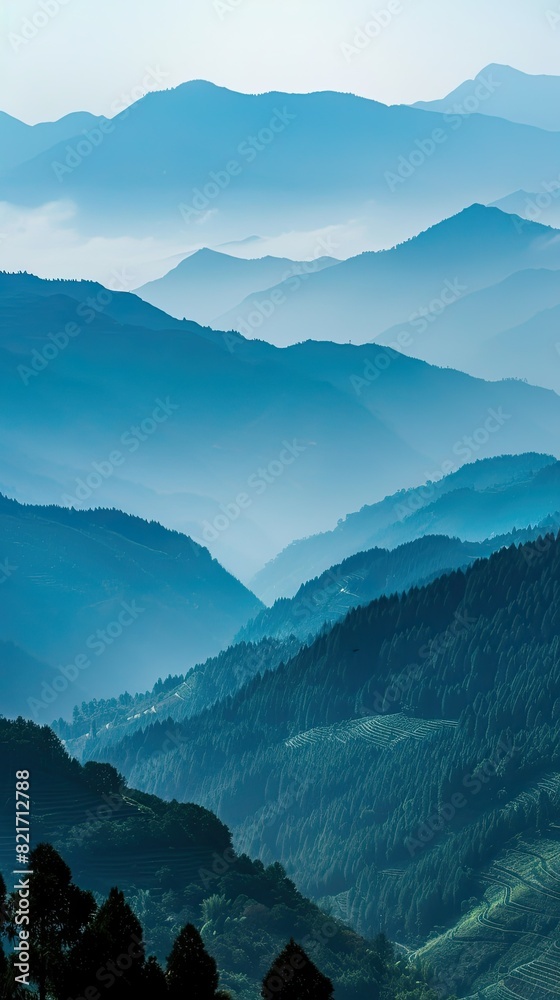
(383, 731)
(517, 917)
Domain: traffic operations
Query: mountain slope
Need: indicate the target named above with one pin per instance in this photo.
(508, 93)
(208, 283)
(92, 298)
(20, 142)
(480, 500)
(529, 350)
(100, 598)
(202, 156)
(541, 204)
(241, 446)
(104, 722)
(411, 284)
(462, 335)
(418, 738)
(176, 864)
(366, 576)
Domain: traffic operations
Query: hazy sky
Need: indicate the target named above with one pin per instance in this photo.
(88, 54)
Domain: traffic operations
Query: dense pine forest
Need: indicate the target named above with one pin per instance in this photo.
(367, 575)
(280, 501)
(277, 634)
(118, 874)
(441, 703)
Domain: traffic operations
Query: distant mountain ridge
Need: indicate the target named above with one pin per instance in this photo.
(506, 330)
(482, 499)
(237, 444)
(412, 284)
(162, 166)
(207, 283)
(364, 577)
(93, 600)
(503, 92)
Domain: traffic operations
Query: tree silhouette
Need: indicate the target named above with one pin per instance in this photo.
(191, 971)
(60, 911)
(111, 951)
(293, 976)
(155, 983)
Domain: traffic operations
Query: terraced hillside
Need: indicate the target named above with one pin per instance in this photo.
(380, 731)
(513, 926)
(390, 764)
(362, 578)
(176, 864)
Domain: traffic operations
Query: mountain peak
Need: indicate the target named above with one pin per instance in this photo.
(477, 216)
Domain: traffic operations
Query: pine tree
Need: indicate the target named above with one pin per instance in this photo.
(154, 981)
(191, 971)
(60, 911)
(114, 944)
(293, 976)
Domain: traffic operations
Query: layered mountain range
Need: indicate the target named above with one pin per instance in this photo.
(280, 529)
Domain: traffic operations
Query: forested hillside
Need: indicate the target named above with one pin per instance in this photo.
(99, 598)
(176, 865)
(239, 445)
(388, 764)
(484, 498)
(99, 723)
(367, 575)
(273, 637)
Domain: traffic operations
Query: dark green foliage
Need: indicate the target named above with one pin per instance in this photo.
(293, 976)
(60, 912)
(164, 595)
(363, 825)
(155, 983)
(175, 864)
(190, 969)
(103, 779)
(110, 952)
(368, 575)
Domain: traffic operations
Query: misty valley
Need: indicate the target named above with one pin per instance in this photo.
(280, 539)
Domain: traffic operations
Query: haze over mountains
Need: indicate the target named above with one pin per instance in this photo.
(481, 500)
(412, 284)
(240, 445)
(201, 165)
(280, 534)
(98, 599)
(509, 93)
(363, 577)
(208, 283)
(504, 330)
